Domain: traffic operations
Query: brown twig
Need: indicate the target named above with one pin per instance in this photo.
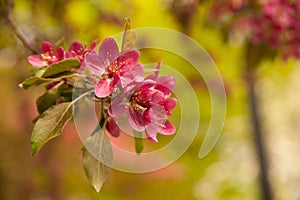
(259, 140)
(17, 32)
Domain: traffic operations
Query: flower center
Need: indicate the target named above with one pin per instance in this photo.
(47, 57)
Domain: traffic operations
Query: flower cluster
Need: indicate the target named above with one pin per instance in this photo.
(118, 79)
(147, 104)
(146, 101)
(273, 22)
(48, 56)
(113, 79)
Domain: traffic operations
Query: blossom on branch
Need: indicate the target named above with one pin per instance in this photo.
(149, 104)
(112, 78)
(47, 56)
(79, 51)
(113, 66)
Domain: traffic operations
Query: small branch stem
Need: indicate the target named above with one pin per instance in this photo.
(9, 6)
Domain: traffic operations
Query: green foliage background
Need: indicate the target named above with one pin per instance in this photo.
(229, 172)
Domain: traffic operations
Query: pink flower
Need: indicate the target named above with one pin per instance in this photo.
(79, 51)
(271, 22)
(47, 56)
(280, 12)
(149, 105)
(113, 67)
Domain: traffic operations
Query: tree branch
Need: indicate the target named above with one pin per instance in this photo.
(262, 155)
(17, 32)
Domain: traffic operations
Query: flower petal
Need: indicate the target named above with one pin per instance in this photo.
(47, 48)
(155, 74)
(157, 97)
(126, 61)
(147, 96)
(135, 74)
(104, 87)
(94, 63)
(169, 104)
(76, 48)
(167, 81)
(108, 50)
(60, 54)
(94, 44)
(136, 119)
(116, 107)
(37, 61)
(130, 88)
(151, 136)
(69, 55)
(155, 118)
(112, 127)
(168, 129)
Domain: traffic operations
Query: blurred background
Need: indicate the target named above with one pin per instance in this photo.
(231, 171)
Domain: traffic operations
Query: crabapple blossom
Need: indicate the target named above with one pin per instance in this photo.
(113, 66)
(47, 56)
(149, 103)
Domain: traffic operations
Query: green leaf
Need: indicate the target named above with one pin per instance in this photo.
(129, 37)
(66, 96)
(50, 125)
(40, 72)
(31, 81)
(65, 88)
(35, 80)
(62, 66)
(46, 101)
(97, 157)
(139, 146)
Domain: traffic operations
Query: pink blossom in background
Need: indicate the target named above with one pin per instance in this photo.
(272, 22)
